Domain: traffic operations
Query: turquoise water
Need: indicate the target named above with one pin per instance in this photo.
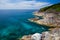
(14, 24)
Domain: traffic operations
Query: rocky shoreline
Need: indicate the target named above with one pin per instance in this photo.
(49, 19)
(54, 34)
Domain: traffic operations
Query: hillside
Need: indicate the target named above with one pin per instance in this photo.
(55, 7)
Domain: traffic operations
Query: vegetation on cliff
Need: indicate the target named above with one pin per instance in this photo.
(55, 7)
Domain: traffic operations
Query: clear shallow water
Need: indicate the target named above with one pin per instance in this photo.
(14, 24)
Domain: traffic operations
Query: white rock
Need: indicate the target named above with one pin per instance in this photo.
(36, 36)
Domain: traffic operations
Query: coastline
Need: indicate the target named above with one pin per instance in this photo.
(51, 18)
(41, 23)
(48, 19)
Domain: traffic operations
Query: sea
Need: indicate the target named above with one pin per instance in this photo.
(14, 24)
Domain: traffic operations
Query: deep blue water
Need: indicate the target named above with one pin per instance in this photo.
(14, 24)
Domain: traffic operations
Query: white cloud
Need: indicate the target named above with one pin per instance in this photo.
(4, 4)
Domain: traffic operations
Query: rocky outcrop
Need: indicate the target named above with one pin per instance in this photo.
(48, 35)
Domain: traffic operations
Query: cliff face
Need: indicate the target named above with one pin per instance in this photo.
(55, 7)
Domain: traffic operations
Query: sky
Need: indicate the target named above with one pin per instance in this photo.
(26, 4)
